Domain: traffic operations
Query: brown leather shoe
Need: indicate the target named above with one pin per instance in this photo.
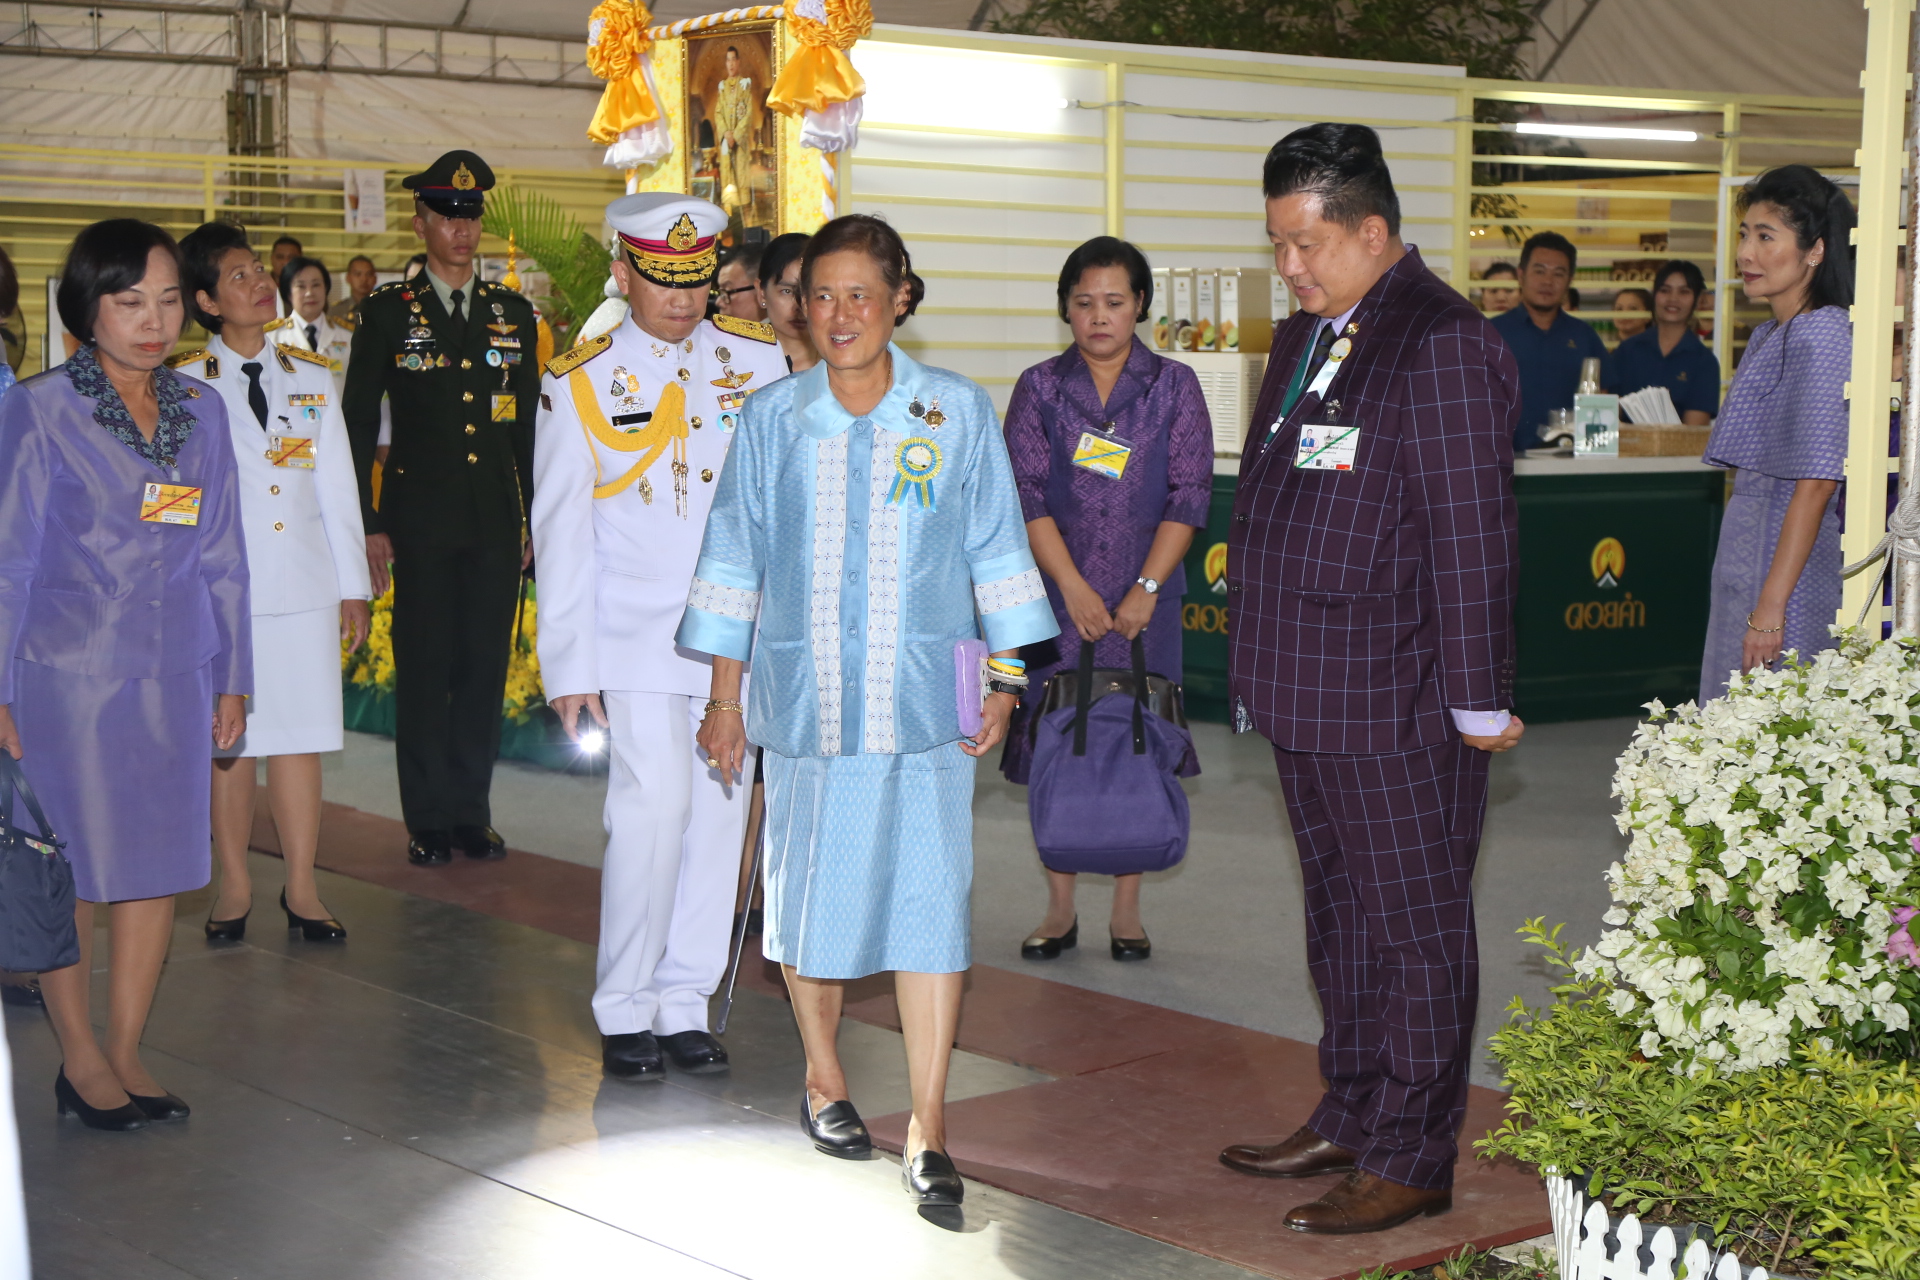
(1305, 1155)
(1364, 1202)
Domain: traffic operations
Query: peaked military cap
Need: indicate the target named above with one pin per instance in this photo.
(454, 186)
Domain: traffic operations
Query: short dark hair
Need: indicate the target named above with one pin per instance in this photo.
(1817, 210)
(200, 253)
(293, 268)
(286, 239)
(1107, 251)
(781, 253)
(9, 285)
(1549, 240)
(1342, 165)
(1646, 299)
(360, 257)
(1686, 270)
(107, 257)
(748, 256)
(872, 235)
(1500, 271)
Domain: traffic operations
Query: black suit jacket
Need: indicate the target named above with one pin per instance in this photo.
(460, 471)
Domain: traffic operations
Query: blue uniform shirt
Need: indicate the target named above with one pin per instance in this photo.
(1690, 373)
(1549, 361)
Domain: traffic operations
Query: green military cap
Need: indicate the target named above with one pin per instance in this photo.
(454, 186)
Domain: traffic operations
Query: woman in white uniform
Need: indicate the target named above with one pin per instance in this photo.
(306, 551)
(305, 286)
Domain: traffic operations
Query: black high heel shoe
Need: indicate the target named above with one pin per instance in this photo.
(327, 930)
(162, 1106)
(1040, 947)
(233, 930)
(930, 1178)
(1130, 948)
(123, 1119)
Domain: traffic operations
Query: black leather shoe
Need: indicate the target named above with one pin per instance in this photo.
(1039, 947)
(695, 1052)
(480, 842)
(1131, 948)
(162, 1107)
(837, 1130)
(930, 1178)
(232, 930)
(632, 1055)
(123, 1119)
(430, 849)
(327, 930)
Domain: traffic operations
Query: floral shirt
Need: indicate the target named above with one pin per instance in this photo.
(110, 411)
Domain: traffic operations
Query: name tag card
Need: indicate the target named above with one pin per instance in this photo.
(1327, 446)
(170, 503)
(1101, 454)
(291, 451)
(505, 408)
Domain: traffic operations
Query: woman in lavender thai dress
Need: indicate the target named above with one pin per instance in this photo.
(124, 636)
(1783, 429)
(1110, 548)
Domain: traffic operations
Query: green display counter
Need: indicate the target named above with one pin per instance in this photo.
(1615, 559)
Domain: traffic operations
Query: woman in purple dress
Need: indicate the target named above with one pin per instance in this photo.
(1110, 547)
(125, 623)
(1783, 429)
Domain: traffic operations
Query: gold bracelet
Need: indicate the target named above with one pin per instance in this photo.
(724, 704)
(1765, 631)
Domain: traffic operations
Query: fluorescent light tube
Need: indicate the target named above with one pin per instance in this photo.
(1607, 131)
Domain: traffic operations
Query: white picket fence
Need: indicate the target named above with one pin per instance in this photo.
(1580, 1229)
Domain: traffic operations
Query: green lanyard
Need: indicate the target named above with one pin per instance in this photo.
(1299, 378)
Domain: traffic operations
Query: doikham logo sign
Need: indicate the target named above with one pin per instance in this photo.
(1608, 563)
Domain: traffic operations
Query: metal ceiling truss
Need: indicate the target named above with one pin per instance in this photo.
(262, 41)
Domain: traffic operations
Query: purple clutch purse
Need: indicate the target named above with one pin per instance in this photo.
(970, 683)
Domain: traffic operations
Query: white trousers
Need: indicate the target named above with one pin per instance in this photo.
(674, 835)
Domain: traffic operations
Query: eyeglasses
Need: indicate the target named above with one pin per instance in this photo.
(734, 293)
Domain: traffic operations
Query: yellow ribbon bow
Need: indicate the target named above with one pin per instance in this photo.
(616, 39)
(819, 73)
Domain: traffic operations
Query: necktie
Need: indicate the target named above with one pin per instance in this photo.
(313, 337)
(1322, 343)
(458, 298)
(459, 319)
(256, 394)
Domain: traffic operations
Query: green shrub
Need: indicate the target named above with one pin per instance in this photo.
(1810, 1166)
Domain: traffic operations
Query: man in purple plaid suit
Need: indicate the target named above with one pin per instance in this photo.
(1371, 574)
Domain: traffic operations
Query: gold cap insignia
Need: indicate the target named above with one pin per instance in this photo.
(463, 179)
(683, 236)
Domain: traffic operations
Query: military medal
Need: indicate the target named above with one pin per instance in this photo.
(732, 400)
(730, 380)
(917, 409)
(499, 310)
(726, 356)
(934, 416)
(497, 327)
(646, 490)
(916, 462)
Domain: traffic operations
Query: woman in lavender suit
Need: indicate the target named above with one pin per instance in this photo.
(125, 625)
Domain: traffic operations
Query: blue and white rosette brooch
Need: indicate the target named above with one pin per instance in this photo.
(917, 461)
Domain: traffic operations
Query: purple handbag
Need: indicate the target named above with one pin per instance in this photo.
(970, 684)
(1104, 796)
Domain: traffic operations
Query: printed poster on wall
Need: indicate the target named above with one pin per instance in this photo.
(364, 202)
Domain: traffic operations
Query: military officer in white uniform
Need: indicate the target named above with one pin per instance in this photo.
(633, 431)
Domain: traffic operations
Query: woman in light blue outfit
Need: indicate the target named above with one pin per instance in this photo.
(867, 518)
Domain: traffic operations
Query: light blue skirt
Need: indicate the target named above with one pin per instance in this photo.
(870, 862)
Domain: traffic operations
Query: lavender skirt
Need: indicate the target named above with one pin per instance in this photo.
(1749, 532)
(123, 769)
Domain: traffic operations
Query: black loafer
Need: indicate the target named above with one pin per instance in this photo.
(837, 1130)
(1131, 948)
(930, 1178)
(1039, 947)
(632, 1055)
(162, 1107)
(430, 849)
(480, 842)
(695, 1052)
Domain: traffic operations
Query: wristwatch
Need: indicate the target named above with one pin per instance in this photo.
(1149, 585)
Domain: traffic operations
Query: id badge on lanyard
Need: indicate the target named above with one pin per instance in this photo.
(1103, 453)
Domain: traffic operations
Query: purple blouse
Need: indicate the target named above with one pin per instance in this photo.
(1108, 525)
(1785, 415)
(86, 586)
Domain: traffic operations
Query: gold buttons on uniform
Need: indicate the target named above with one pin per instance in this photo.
(706, 475)
(467, 396)
(473, 457)
(466, 364)
(471, 428)
(685, 376)
(278, 527)
(695, 422)
(274, 489)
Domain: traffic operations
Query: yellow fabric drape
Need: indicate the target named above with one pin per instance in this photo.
(819, 73)
(667, 427)
(616, 39)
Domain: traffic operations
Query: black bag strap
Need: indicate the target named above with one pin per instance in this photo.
(12, 779)
(1140, 693)
(1083, 699)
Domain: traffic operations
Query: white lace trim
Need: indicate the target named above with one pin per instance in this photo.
(728, 602)
(1021, 588)
(829, 546)
(883, 593)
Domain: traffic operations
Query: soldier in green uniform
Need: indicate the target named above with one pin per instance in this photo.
(454, 357)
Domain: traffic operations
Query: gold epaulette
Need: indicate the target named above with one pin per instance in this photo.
(186, 357)
(346, 322)
(758, 330)
(281, 323)
(572, 358)
(301, 353)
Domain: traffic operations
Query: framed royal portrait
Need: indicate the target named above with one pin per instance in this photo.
(729, 146)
